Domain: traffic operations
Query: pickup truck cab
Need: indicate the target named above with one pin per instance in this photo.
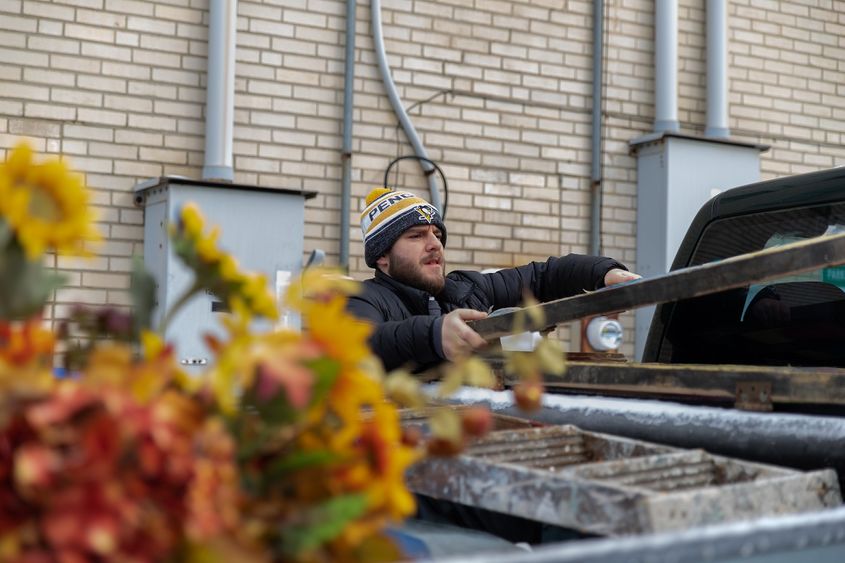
(794, 321)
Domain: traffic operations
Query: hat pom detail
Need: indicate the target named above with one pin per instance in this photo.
(376, 193)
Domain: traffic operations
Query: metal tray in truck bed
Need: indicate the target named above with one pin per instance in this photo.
(609, 485)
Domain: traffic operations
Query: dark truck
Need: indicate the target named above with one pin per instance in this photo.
(796, 321)
(740, 383)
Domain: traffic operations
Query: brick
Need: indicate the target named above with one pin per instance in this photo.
(81, 296)
(325, 37)
(254, 71)
(132, 217)
(151, 26)
(89, 32)
(53, 45)
(185, 142)
(260, 11)
(137, 169)
(96, 165)
(103, 117)
(158, 43)
(15, 23)
(135, 7)
(256, 164)
(24, 91)
(48, 27)
(10, 108)
(154, 58)
(180, 109)
(306, 18)
(79, 64)
(273, 29)
(190, 126)
(120, 265)
(88, 133)
(106, 51)
(100, 18)
(76, 97)
(119, 297)
(175, 76)
(130, 232)
(119, 70)
(61, 113)
(490, 33)
(48, 10)
(74, 263)
(184, 15)
(110, 150)
(163, 155)
(45, 76)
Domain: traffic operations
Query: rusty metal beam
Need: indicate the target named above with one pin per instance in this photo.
(700, 280)
(708, 383)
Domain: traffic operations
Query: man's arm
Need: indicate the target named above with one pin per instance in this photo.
(568, 275)
(549, 280)
(414, 341)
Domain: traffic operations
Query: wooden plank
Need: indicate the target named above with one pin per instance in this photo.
(822, 386)
(737, 271)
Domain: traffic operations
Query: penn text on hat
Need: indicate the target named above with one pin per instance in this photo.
(387, 214)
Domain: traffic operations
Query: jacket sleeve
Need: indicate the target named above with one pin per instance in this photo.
(553, 279)
(412, 342)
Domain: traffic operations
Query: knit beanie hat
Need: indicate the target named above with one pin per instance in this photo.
(387, 214)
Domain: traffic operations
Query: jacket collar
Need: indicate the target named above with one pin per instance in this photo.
(454, 291)
(415, 299)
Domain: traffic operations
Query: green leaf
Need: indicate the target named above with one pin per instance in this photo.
(5, 234)
(275, 412)
(322, 523)
(325, 371)
(301, 460)
(25, 285)
(142, 289)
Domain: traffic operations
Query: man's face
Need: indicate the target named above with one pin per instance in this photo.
(416, 259)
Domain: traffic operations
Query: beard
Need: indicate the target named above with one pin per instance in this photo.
(411, 273)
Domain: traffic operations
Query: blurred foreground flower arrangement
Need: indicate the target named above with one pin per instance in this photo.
(286, 448)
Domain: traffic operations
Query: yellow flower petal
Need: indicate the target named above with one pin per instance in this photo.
(45, 205)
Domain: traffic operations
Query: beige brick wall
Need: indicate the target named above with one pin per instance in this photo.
(500, 93)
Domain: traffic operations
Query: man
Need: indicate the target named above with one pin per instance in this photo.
(420, 313)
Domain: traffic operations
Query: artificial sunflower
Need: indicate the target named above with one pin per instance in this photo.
(389, 459)
(26, 355)
(45, 205)
(317, 285)
(344, 337)
(217, 271)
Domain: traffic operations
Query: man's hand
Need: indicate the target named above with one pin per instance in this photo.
(618, 275)
(458, 339)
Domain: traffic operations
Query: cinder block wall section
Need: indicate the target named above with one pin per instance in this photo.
(500, 92)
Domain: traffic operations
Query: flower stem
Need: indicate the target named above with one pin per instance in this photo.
(183, 299)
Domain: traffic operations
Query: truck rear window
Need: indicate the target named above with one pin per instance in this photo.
(796, 320)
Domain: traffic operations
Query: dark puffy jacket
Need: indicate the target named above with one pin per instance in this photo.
(407, 334)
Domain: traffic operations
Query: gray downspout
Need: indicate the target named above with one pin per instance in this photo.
(717, 69)
(220, 90)
(346, 153)
(595, 172)
(666, 66)
(396, 103)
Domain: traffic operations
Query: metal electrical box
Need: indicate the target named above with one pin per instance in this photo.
(676, 174)
(262, 228)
